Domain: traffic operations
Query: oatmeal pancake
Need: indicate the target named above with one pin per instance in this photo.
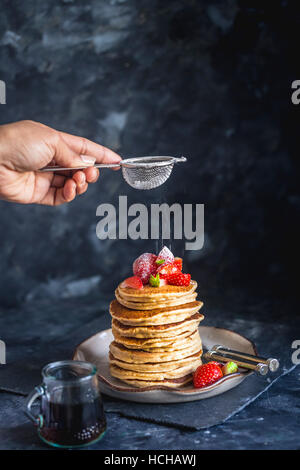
(152, 305)
(176, 342)
(139, 356)
(120, 373)
(158, 316)
(166, 383)
(163, 331)
(155, 294)
(157, 342)
(195, 359)
(185, 343)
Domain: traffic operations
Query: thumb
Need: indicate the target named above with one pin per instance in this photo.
(66, 157)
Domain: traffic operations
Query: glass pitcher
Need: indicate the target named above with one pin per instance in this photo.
(71, 411)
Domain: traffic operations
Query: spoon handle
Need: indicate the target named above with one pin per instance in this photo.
(271, 362)
(260, 368)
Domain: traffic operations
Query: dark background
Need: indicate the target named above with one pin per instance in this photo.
(208, 80)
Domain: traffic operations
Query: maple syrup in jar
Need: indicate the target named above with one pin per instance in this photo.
(71, 410)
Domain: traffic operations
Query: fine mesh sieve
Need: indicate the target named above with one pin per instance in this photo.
(140, 173)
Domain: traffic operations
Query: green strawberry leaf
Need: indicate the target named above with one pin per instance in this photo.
(159, 261)
(154, 281)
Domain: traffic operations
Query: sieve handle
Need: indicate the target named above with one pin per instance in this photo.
(97, 165)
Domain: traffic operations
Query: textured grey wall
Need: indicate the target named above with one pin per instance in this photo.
(182, 77)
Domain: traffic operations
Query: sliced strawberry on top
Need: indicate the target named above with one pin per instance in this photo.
(178, 263)
(179, 279)
(133, 282)
(166, 270)
(165, 255)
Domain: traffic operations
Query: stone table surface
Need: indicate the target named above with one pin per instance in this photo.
(270, 422)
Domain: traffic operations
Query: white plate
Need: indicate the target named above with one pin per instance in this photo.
(96, 348)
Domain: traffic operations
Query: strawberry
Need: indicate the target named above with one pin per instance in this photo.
(216, 363)
(166, 255)
(178, 263)
(166, 270)
(179, 279)
(145, 265)
(133, 282)
(206, 375)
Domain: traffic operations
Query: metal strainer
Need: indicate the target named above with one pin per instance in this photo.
(140, 173)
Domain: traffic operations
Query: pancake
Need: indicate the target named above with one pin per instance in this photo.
(156, 336)
(120, 373)
(158, 316)
(150, 305)
(163, 331)
(155, 294)
(195, 359)
(142, 343)
(183, 344)
(158, 344)
(139, 356)
(167, 383)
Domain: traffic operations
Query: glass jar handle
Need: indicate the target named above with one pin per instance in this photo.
(37, 392)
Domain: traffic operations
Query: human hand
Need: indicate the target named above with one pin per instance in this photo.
(27, 146)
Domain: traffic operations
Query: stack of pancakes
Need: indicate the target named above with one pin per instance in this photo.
(156, 337)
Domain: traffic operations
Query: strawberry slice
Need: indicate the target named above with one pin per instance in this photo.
(178, 263)
(165, 255)
(166, 270)
(133, 282)
(179, 279)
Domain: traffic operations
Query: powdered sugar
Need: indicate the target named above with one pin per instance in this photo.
(145, 265)
(165, 254)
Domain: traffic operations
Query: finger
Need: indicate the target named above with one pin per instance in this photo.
(58, 196)
(68, 191)
(91, 174)
(67, 157)
(58, 181)
(79, 178)
(83, 146)
(81, 189)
